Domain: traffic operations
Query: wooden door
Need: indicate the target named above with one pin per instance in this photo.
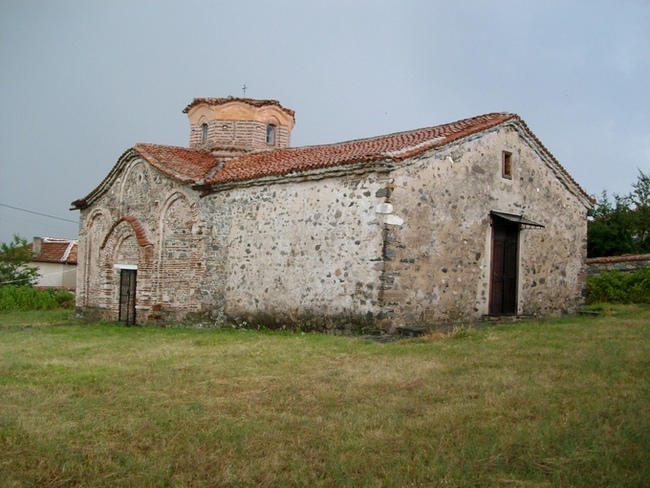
(127, 296)
(505, 252)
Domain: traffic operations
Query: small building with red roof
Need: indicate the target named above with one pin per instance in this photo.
(56, 260)
(442, 224)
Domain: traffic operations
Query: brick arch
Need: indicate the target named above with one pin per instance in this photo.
(98, 212)
(125, 243)
(138, 230)
(136, 179)
(93, 232)
(171, 199)
(180, 260)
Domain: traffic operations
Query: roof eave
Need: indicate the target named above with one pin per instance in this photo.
(382, 165)
(89, 199)
(560, 172)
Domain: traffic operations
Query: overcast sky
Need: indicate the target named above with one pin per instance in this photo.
(81, 81)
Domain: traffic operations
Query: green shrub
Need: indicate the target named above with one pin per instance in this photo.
(639, 286)
(63, 298)
(618, 287)
(28, 298)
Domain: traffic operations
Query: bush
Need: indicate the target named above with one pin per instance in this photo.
(618, 287)
(28, 298)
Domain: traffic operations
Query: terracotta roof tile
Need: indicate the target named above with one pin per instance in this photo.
(181, 163)
(394, 147)
(205, 168)
(619, 259)
(55, 250)
(184, 164)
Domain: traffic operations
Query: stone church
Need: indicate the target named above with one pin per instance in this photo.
(437, 225)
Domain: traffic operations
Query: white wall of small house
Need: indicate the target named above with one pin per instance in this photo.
(56, 275)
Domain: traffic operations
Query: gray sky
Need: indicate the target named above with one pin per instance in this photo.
(81, 81)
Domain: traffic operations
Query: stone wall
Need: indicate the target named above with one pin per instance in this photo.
(296, 248)
(299, 247)
(625, 264)
(438, 266)
(404, 247)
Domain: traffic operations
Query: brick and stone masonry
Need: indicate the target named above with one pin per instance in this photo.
(400, 231)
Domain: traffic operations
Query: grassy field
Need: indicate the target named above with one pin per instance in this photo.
(552, 403)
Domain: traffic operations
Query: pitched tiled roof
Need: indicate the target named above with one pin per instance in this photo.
(206, 168)
(393, 147)
(184, 164)
(55, 250)
(250, 101)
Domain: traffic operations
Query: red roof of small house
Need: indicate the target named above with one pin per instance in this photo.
(55, 250)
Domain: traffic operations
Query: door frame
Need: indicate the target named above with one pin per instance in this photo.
(127, 293)
(504, 267)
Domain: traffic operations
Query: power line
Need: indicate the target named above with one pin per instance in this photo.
(39, 276)
(38, 213)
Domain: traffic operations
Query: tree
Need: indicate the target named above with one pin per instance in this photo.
(624, 227)
(640, 197)
(14, 267)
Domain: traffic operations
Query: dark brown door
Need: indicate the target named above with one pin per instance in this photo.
(127, 296)
(503, 285)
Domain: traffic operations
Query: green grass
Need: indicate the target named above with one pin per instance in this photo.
(552, 403)
(35, 318)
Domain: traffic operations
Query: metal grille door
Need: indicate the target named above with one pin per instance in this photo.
(127, 296)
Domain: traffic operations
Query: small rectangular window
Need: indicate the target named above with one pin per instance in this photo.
(506, 164)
